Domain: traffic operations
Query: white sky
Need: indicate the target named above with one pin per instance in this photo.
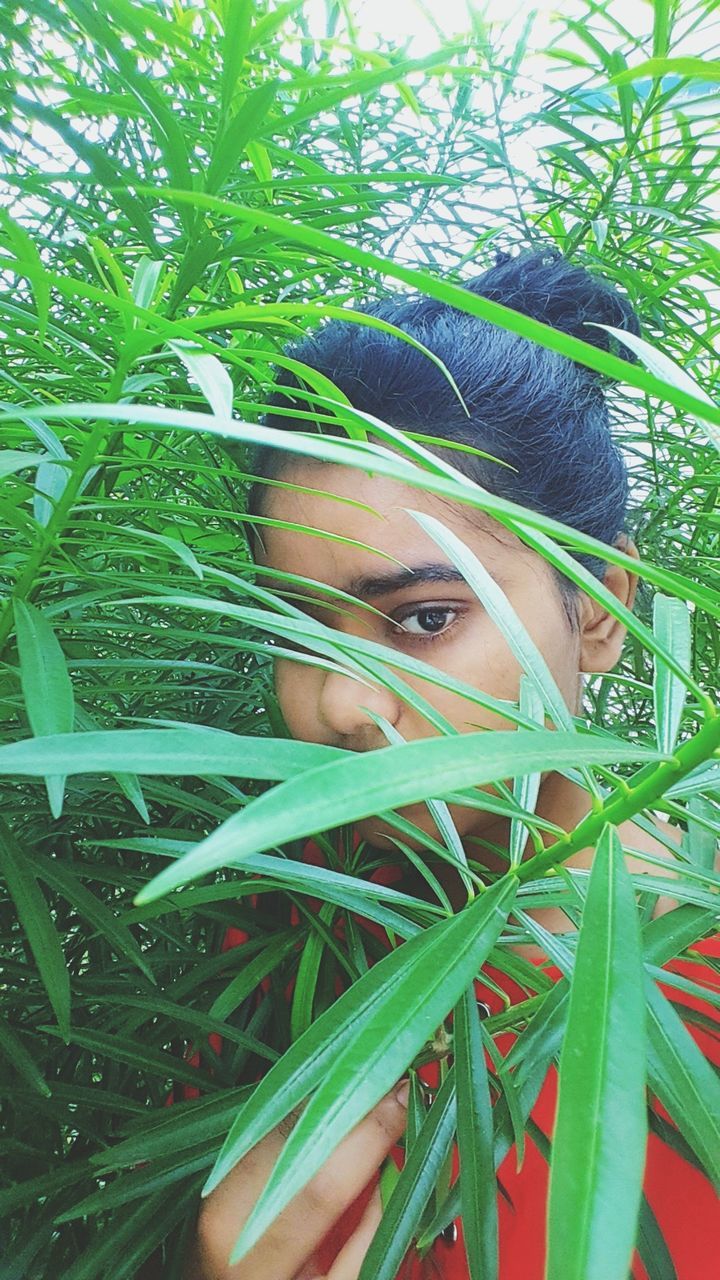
(396, 19)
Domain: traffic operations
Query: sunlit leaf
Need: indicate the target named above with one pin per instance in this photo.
(663, 367)
(213, 380)
(671, 623)
(475, 1143)
(361, 785)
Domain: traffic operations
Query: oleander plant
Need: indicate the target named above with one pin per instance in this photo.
(190, 185)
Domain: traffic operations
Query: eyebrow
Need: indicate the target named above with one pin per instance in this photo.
(370, 586)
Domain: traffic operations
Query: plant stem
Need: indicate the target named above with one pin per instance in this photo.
(627, 800)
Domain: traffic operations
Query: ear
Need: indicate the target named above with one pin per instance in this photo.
(602, 634)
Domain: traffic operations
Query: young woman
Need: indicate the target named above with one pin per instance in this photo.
(547, 418)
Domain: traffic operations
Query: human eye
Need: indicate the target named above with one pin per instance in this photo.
(426, 622)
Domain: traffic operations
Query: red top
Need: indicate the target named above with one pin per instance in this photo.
(681, 1198)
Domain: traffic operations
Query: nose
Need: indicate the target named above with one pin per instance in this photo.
(342, 704)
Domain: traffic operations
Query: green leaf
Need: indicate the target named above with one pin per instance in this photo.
(29, 263)
(50, 484)
(196, 749)
(236, 39)
(438, 810)
(110, 174)
(663, 367)
(692, 68)
(127, 782)
(38, 925)
(661, 28)
(700, 840)
(243, 128)
(326, 449)
(361, 785)
(174, 545)
(583, 577)
(626, 95)
(436, 287)
(17, 1054)
(212, 378)
(144, 281)
(600, 1130)
(138, 1183)
(360, 896)
(671, 624)
(526, 788)
(668, 935)
(46, 685)
(684, 1081)
(14, 460)
(651, 1246)
(308, 1060)
(600, 230)
(381, 1047)
(301, 1010)
(63, 878)
(166, 1132)
(134, 1236)
(152, 1062)
(503, 615)
(253, 972)
(475, 1143)
(413, 1188)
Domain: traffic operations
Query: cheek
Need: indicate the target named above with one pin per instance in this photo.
(559, 645)
(486, 661)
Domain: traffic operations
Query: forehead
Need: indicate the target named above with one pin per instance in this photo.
(370, 528)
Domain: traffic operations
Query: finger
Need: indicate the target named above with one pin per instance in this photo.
(350, 1258)
(303, 1225)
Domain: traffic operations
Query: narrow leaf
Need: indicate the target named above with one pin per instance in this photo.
(16, 1053)
(308, 1060)
(526, 788)
(413, 1188)
(211, 376)
(683, 1079)
(196, 749)
(503, 615)
(663, 367)
(600, 1132)
(475, 1143)
(360, 785)
(13, 460)
(381, 1048)
(671, 624)
(38, 926)
(144, 281)
(46, 685)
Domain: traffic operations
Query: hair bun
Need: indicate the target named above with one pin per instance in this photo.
(545, 285)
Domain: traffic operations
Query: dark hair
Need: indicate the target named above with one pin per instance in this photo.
(540, 412)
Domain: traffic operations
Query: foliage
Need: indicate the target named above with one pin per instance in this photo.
(192, 184)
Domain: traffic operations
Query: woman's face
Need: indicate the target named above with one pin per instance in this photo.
(431, 615)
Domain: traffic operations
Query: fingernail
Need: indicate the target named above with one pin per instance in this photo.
(402, 1093)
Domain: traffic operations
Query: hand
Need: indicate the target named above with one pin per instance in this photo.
(287, 1249)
